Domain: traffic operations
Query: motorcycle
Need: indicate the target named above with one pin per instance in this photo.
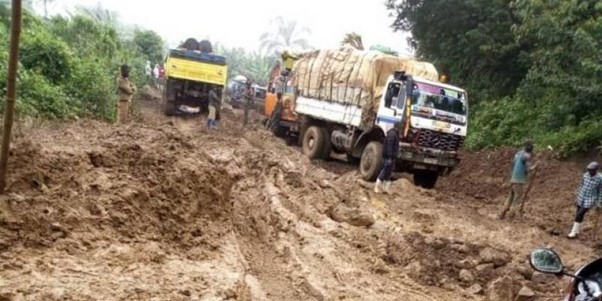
(586, 283)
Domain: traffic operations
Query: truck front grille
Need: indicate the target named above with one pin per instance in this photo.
(438, 140)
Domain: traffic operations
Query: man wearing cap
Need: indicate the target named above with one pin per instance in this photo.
(126, 90)
(588, 196)
(521, 167)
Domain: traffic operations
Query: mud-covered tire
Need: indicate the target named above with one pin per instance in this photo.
(426, 178)
(279, 131)
(372, 161)
(313, 142)
(327, 148)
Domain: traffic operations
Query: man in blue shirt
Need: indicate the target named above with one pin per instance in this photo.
(521, 167)
(588, 196)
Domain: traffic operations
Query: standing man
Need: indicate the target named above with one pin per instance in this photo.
(215, 104)
(521, 167)
(248, 102)
(126, 90)
(277, 113)
(588, 196)
(390, 154)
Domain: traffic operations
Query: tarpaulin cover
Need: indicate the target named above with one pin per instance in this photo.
(352, 76)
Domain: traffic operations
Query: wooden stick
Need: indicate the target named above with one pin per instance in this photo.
(11, 89)
(526, 193)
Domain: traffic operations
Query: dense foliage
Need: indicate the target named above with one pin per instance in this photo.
(253, 65)
(68, 65)
(533, 68)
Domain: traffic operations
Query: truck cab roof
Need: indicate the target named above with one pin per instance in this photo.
(443, 85)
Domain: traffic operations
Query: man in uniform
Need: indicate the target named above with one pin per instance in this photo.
(248, 102)
(276, 116)
(215, 104)
(521, 167)
(126, 90)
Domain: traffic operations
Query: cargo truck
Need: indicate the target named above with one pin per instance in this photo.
(346, 100)
(190, 72)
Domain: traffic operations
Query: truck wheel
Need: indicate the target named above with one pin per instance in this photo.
(313, 142)
(279, 131)
(426, 179)
(371, 161)
(327, 148)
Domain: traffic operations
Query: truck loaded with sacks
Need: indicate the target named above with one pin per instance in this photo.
(346, 100)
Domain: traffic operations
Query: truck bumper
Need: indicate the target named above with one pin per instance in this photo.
(425, 158)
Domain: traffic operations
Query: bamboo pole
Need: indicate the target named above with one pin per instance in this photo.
(11, 89)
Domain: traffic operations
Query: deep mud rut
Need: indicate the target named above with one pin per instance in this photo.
(163, 209)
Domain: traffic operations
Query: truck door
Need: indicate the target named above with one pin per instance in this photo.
(391, 106)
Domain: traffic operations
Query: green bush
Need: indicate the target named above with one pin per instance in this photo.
(69, 65)
(42, 98)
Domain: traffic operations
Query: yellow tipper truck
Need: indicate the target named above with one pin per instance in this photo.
(191, 71)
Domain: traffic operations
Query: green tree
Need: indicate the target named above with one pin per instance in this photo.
(471, 40)
(252, 64)
(69, 64)
(150, 44)
(384, 49)
(354, 40)
(286, 34)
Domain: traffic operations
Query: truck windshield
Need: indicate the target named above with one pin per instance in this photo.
(440, 98)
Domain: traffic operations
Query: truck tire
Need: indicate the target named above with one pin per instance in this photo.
(372, 161)
(313, 142)
(426, 178)
(279, 131)
(327, 148)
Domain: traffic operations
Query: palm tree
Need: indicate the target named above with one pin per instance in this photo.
(287, 35)
(354, 40)
(98, 14)
(46, 2)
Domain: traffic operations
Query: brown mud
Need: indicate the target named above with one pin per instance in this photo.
(164, 209)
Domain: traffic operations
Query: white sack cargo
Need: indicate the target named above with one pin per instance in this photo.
(353, 77)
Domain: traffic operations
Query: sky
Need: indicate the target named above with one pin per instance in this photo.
(240, 22)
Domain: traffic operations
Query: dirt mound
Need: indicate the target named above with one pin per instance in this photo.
(485, 175)
(439, 261)
(125, 189)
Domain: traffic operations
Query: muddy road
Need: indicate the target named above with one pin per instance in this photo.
(163, 209)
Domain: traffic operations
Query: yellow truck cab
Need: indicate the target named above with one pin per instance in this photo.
(189, 76)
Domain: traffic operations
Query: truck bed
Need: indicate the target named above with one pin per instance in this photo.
(198, 56)
(196, 69)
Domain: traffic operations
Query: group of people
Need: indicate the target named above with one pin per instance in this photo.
(127, 89)
(588, 194)
(156, 74)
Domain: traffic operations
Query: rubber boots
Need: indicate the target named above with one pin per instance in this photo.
(387, 187)
(377, 186)
(575, 231)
